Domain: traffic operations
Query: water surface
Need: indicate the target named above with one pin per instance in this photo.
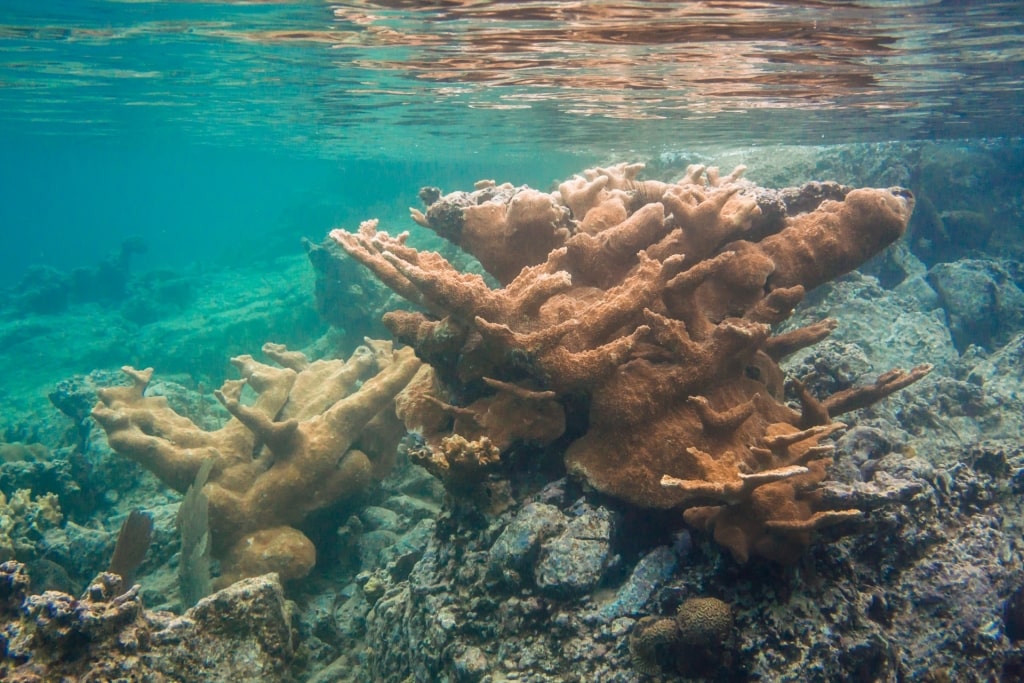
(206, 125)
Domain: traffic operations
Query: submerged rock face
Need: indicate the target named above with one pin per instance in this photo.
(639, 312)
(984, 304)
(242, 633)
(926, 590)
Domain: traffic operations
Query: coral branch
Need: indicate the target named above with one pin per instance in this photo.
(861, 397)
(782, 345)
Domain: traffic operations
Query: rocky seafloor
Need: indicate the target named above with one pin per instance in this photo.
(413, 586)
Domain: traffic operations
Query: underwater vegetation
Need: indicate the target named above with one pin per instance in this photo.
(646, 425)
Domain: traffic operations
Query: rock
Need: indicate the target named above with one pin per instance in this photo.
(372, 546)
(574, 562)
(375, 517)
(241, 633)
(650, 573)
(412, 508)
(887, 329)
(471, 665)
(407, 549)
(513, 552)
(984, 305)
(999, 377)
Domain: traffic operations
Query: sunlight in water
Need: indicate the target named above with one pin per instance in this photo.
(342, 72)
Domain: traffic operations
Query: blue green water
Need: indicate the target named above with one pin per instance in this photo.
(216, 134)
(70, 200)
(203, 127)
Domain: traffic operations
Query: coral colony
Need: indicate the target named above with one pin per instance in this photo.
(318, 433)
(647, 307)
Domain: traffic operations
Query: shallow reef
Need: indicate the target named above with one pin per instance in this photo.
(639, 312)
(649, 424)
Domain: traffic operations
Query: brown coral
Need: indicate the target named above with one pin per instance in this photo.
(704, 621)
(647, 317)
(699, 634)
(316, 433)
(649, 641)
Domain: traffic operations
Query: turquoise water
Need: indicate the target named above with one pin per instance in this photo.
(160, 163)
(224, 128)
(70, 200)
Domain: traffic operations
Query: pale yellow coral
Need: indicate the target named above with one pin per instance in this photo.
(24, 517)
(311, 438)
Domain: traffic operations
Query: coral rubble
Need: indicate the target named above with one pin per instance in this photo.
(240, 633)
(316, 433)
(641, 313)
(24, 519)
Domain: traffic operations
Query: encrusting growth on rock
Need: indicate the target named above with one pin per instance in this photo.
(642, 310)
(242, 633)
(317, 433)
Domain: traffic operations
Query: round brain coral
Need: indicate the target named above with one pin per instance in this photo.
(702, 621)
(649, 635)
